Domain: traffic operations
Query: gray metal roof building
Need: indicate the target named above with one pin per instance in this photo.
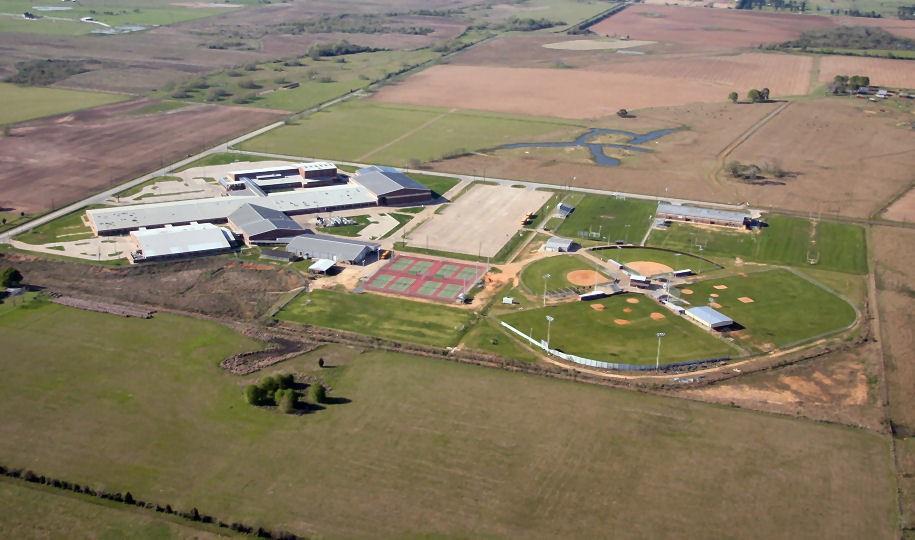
(391, 186)
(261, 224)
(698, 214)
(708, 317)
(319, 246)
(181, 241)
(558, 244)
(563, 210)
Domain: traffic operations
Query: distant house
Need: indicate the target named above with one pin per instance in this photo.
(558, 245)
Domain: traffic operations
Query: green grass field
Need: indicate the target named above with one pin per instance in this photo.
(223, 158)
(487, 337)
(557, 267)
(787, 240)
(349, 230)
(438, 184)
(612, 218)
(423, 448)
(370, 132)
(583, 331)
(380, 316)
(21, 103)
(676, 261)
(786, 309)
(63, 229)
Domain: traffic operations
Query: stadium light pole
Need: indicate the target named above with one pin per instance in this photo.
(657, 358)
(549, 323)
(545, 278)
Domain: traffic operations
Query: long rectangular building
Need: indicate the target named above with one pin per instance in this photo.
(182, 241)
(707, 216)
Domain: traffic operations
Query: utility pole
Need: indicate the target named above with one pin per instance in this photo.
(657, 358)
(545, 278)
(549, 323)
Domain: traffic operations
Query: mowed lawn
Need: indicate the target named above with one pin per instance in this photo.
(423, 447)
(380, 316)
(676, 261)
(616, 335)
(611, 217)
(558, 267)
(369, 132)
(21, 103)
(787, 240)
(786, 308)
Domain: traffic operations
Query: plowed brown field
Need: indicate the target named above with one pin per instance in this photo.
(57, 160)
(882, 71)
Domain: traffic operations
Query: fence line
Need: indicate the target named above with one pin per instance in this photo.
(609, 365)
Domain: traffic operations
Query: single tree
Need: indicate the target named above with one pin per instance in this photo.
(764, 94)
(317, 393)
(754, 96)
(622, 113)
(288, 400)
(10, 277)
(320, 362)
(254, 395)
(733, 97)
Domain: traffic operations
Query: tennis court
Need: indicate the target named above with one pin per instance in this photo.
(421, 277)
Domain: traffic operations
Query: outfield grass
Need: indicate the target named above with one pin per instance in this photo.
(366, 131)
(787, 240)
(557, 267)
(786, 308)
(21, 103)
(583, 331)
(486, 336)
(381, 316)
(223, 158)
(612, 217)
(423, 448)
(676, 261)
(63, 229)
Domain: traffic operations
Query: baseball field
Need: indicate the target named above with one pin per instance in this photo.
(609, 219)
(414, 446)
(565, 271)
(669, 260)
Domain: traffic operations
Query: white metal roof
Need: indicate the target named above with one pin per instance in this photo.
(184, 239)
(702, 213)
(709, 316)
(557, 242)
(321, 265)
(329, 247)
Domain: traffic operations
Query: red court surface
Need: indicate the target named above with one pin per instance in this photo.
(432, 279)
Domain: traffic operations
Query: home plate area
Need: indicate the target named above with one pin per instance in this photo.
(419, 277)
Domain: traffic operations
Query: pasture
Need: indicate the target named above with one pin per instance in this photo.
(371, 132)
(22, 103)
(787, 240)
(381, 316)
(784, 309)
(420, 444)
(609, 218)
(620, 329)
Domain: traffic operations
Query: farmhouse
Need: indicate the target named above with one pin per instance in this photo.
(196, 239)
(261, 225)
(391, 186)
(558, 245)
(708, 317)
(707, 216)
(319, 246)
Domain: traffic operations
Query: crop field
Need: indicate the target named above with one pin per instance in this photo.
(620, 329)
(787, 240)
(882, 71)
(433, 440)
(673, 260)
(558, 268)
(106, 145)
(22, 103)
(784, 309)
(609, 218)
(365, 131)
(380, 316)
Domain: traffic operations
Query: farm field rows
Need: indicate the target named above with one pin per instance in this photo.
(882, 71)
(436, 441)
(23, 103)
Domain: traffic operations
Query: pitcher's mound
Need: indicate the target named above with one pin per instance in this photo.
(621, 322)
(655, 316)
(632, 300)
(584, 278)
(746, 299)
(648, 268)
(597, 307)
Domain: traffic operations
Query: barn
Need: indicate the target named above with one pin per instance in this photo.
(391, 186)
(261, 225)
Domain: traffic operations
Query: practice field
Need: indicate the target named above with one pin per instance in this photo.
(368, 131)
(618, 330)
(558, 268)
(787, 240)
(600, 90)
(777, 307)
(25, 103)
(608, 219)
(432, 279)
(480, 222)
(380, 316)
(672, 260)
(420, 444)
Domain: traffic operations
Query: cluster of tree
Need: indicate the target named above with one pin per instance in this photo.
(10, 277)
(347, 23)
(584, 27)
(778, 5)
(321, 50)
(753, 96)
(750, 171)
(46, 72)
(848, 37)
(280, 391)
(517, 24)
(906, 13)
(127, 498)
(425, 12)
(843, 84)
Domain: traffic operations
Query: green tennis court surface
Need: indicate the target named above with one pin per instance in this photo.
(449, 291)
(401, 264)
(402, 284)
(420, 268)
(428, 288)
(446, 271)
(467, 274)
(381, 281)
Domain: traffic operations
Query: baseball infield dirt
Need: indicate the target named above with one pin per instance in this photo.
(648, 268)
(584, 278)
